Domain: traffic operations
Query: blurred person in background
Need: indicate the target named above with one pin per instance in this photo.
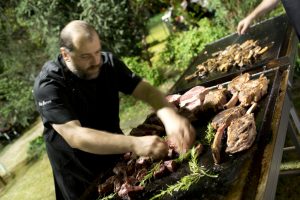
(292, 8)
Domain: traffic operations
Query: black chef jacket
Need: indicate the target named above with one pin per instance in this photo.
(60, 97)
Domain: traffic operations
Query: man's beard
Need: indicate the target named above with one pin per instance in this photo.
(88, 74)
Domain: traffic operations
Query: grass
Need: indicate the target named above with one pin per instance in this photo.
(33, 181)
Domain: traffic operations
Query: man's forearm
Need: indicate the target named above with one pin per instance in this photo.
(100, 142)
(264, 7)
(151, 96)
(94, 141)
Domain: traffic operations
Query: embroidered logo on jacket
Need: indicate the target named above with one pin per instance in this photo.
(43, 103)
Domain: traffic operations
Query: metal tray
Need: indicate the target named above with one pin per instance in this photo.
(238, 174)
(272, 33)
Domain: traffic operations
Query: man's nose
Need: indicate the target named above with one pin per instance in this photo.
(96, 60)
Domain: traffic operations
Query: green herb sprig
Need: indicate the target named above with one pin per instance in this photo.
(185, 182)
(210, 134)
(150, 174)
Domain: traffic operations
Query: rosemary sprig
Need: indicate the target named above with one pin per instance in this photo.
(150, 174)
(185, 182)
(210, 134)
(111, 196)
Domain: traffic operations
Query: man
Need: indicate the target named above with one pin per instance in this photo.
(77, 98)
(291, 7)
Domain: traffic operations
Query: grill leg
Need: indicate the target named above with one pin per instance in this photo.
(294, 129)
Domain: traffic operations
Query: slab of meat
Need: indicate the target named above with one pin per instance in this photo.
(220, 122)
(127, 190)
(237, 83)
(174, 99)
(241, 134)
(226, 116)
(234, 87)
(215, 99)
(253, 90)
(196, 93)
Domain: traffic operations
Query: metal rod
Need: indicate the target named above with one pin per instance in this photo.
(252, 76)
(289, 148)
(289, 172)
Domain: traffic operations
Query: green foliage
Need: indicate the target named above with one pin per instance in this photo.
(183, 47)
(44, 19)
(16, 101)
(140, 67)
(20, 59)
(119, 26)
(230, 13)
(111, 196)
(36, 148)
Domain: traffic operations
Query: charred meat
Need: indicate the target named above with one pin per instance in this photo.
(220, 122)
(253, 90)
(241, 134)
(235, 55)
(215, 99)
(226, 116)
(237, 83)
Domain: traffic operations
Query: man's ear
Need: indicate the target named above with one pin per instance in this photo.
(65, 54)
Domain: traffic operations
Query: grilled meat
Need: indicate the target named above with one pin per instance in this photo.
(215, 99)
(253, 90)
(232, 102)
(217, 144)
(220, 122)
(234, 87)
(226, 116)
(194, 94)
(235, 55)
(237, 83)
(241, 134)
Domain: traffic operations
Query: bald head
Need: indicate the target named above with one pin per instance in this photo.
(75, 32)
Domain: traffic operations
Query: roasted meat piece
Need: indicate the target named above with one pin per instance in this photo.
(234, 87)
(220, 122)
(196, 93)
(173, 99)
(226, 116)
(237, 83)
(235, 55)
(215, 99)
(200, 72)
(127, 190)
(253, 90)
(241, 134)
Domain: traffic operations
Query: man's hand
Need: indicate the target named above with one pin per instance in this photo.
(152, 146)
(179, 130)
(244, 25)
